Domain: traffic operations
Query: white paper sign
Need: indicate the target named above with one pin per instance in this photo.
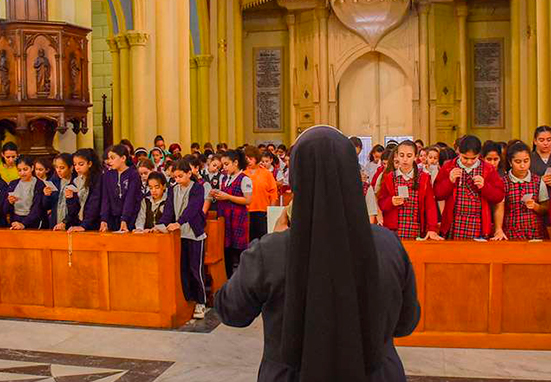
(527, 197)
(403, 191)
(72, 187)
(274, 212)
(50, 185)
(548, 171)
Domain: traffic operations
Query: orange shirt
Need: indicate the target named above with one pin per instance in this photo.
(264, 189)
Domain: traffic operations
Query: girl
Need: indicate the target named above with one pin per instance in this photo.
(3, 196)
(406, 198)
(159, 142)
(184, 212)
(169, 174)
(267, 162)
(158, 157)
(519, 216)
(153, 205)
(433, 165)
(234, 196)
(542, 152)
(121, 194)
(43, 169)
(141, 154)
(374, 160)
(130, 147)
(106, 161)
(196, 165)
(422, 158)
(8, 169)
(24, 202)
(491, 154)
(55, 200)
(175, 149)
(213, 178)
(84, 198)
(145, 167)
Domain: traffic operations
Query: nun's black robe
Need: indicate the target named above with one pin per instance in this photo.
(259, 287)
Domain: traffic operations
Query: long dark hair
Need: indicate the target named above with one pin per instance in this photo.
(491, 146)
(515, 148)
(237, 155)
(185, 166)
(376, 149)
(409, 143)
(8, 146)
(47, 164)
(122, 151)
(540, 130)
(25, 159)
(90, 155)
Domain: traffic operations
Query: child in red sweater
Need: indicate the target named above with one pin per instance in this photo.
(406, 198)
(469, 186)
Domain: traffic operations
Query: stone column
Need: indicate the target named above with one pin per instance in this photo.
(544, 67)
(203, 64)
(140, 99)
(532, 84)
(515, 67)
(238, 71)
(123, 45)
(194, 92)
(322, 14)
(182, 64)
(292, 67)
(462, 11)
(424, 128)
(222, 71)
(116, 65)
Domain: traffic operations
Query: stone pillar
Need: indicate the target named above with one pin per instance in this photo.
(222, 71)
(292, 68)
(114, 49)
(182, 64)
(424, 128)
(167, 71)
(140, 99)
(123, 45)
(194, 91)
(515, 67)
(238, 71)
(322, 14)
(203, 64)
(462, 11)
(532, 83)
(544, 67)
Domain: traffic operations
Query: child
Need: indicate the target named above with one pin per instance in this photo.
(234, 196)
(406, 198)
(519, 216)
(169, 174)
(121, 194)
(55, 200)
(153, 205)
(8, 170)
(196, 165)
(24, 203)
(469, 186)
(145, 167)
(84, 200)
(541, 155)
(43, 169)
(374, 160)
(491, 154)
(3, 196)
(158, 157)
(422, 158)
(184, 212)
(267, 162)
(433, 162)
(141, 154)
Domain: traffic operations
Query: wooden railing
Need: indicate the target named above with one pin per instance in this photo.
(482, 295)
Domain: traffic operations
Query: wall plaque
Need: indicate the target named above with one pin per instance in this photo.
(488, 83)
(268, 89)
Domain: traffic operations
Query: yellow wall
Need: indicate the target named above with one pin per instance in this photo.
(272, 32)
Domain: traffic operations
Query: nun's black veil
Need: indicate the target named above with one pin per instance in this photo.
(333, 315)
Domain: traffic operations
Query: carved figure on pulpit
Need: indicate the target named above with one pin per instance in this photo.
(74, 71)
(43, 70)
(4, 75)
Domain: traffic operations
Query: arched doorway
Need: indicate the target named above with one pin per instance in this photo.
(375, 99)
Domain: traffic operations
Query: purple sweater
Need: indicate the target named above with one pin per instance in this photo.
(121, 202)
(3, 197)
(193, 213)
(92, 207)
(32, 220)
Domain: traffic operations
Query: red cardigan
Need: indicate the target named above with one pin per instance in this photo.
(493, 192)
(428, 215)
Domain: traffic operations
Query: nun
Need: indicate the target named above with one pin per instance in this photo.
(333, 291)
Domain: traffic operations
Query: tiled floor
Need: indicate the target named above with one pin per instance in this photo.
(204, 352)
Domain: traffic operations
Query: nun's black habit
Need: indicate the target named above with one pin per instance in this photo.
(333, 291)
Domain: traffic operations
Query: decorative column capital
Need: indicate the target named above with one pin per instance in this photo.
(113, 48)
(193, 63)
(122, 41)
(291, 19)
(203, 60)
(137, 38)
(462, 9)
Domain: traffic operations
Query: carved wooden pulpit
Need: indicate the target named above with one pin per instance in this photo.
(43, 77)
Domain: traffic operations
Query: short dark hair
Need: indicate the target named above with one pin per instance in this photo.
(9, 146)
(514, 149)
(490, 146)
(253, 152)
(195, 145)
(146, 163)
(28, 160)
(122, 151)
(470, 143)
(420, 141)
(158, 177)
(282, 147)
(357, 142)
(271, 144)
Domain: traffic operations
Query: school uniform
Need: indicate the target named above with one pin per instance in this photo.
(521, 223)
(467, 213)
(418, 214)
(3, 196)
(214, 180)
(56, 202)
(121, 197)
(151, 212)
(537, 165)
(236, 219)
(84, 208)
(184, 205)
(28, 210)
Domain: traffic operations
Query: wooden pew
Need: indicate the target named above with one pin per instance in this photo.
(482, 295)
(214, 252)
(92, 277)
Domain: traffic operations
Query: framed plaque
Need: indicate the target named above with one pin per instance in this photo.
(488, 84)
(268, 90)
